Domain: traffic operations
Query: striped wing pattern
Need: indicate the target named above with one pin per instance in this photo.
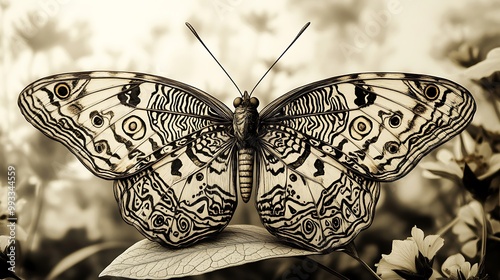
(307, 197)
(320, 154)
(171, 163)
(188, 195)
(379, 124)
(117, 123)
(326, 145)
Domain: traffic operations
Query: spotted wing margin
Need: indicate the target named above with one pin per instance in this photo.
(378, 125)
(119, 123)
(186, 196)
(308, 198)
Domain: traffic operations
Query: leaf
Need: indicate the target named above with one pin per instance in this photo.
(236, 245)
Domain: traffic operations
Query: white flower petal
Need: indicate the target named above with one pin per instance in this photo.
(486, 67)
(484, 149)
(452, 264)
(429, 245)
(493, 166)
(468, 143)
(436, 170)
(465, 268)
(495, 158)
(494, 54)
(495, 226)
(473, 270)
(455, 169)
(470, 248)
(445, 156)
(430, 165)
(432, 243)
(429, 175)
(455, 264)
(404, 253)
(471, 213)
(385, 270)
(402, 257)
(4, 242)
(463, 231)
(417, 234)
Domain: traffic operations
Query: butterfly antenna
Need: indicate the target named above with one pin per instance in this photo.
(276, 61)
(201, 41)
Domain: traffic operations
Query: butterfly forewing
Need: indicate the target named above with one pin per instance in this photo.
(117, 123)
(376, 124)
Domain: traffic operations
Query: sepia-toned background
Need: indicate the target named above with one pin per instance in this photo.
(61, 207)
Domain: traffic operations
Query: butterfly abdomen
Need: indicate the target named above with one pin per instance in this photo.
(245, 122)
(245, 172)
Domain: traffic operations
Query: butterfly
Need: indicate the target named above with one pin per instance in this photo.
(316, 155)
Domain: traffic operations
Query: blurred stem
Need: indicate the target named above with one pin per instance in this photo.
(36, 217)
(493, 101)
(494, 238)
(484, 237)
(78, 256)
(447, 227)
(327, 269)
(351, 250)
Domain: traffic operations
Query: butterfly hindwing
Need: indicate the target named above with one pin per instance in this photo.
(188, 195)
(378, 125)
(307, 197)
(116, 123)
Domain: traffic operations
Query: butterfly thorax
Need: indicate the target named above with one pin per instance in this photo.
(245, 122)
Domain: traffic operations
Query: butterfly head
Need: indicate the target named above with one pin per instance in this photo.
(246, 101)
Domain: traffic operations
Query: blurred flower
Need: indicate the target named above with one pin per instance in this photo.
(491, 83)
(484, 77)
(65, 202)
(5, 213)
(472, 164)
(486, 68)
(456, 268)
(486, 74)
(411, 258)
(469, 32)
(465, 55)
(4, 242)
(260, 21)
(478, 155)
(469, 227)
